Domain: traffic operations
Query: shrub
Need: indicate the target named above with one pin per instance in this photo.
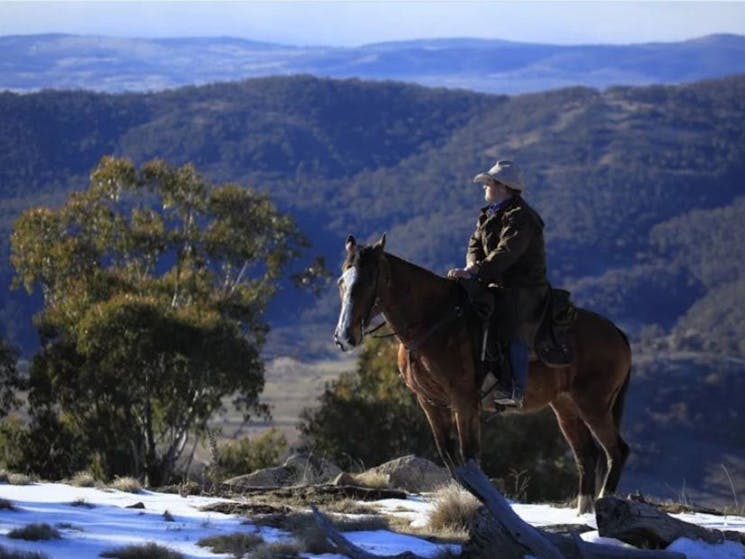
(146, 551)
(127, 484)
(527, 451)
(246, 455)
(35, 532)
(237, 544)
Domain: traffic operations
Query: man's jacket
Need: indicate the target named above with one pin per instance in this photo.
(509, 248)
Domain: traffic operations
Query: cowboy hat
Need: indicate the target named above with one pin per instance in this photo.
(505, 172)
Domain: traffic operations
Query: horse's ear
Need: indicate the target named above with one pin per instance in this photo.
(351, 244)
(380, 245)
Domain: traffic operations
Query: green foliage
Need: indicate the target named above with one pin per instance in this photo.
(10, 379)
(370, 416)
(528, 457)
(248, 454)
(154, 283)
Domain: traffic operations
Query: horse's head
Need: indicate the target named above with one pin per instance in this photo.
(358, 289)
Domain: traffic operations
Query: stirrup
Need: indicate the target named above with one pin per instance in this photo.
(515, 400)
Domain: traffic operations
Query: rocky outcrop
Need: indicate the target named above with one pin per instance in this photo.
(413, 474)
(298, 469)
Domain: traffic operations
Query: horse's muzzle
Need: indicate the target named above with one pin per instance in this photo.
(343, 342)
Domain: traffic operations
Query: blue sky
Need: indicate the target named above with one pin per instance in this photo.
(349, 23)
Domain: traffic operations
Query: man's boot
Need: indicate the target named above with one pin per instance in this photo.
(519, 361)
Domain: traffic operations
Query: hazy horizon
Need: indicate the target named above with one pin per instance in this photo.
(356, 23)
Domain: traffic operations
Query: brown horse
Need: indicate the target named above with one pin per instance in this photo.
(439, 363)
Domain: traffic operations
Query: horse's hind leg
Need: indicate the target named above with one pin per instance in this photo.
(586, 452)
(441, 421)
(616, 449)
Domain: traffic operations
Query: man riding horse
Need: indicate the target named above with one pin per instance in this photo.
(507, 250)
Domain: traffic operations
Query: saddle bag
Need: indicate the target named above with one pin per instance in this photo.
(553, 341)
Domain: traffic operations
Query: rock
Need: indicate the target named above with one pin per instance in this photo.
(344, 479)
(414, 474)
(269, 477)
(310, 470)
(298, 469)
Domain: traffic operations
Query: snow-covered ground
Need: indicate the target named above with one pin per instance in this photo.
(95, 520)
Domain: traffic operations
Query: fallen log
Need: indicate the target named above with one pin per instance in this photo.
(504, 532)
(498, 532)
(345, 547)
(472, 478)
(643, 525)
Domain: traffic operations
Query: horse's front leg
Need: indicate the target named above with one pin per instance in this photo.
(441, 422)
(467, 420)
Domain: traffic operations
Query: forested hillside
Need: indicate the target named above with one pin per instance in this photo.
(641, 190)
(635, 184)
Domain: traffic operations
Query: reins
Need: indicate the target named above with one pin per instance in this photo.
(455, 313)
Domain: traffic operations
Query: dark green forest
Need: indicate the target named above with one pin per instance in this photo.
(626, 180)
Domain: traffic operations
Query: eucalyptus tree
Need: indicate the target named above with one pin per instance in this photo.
(10, 379)
(154, 285)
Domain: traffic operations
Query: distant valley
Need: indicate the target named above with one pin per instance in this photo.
(35, 62)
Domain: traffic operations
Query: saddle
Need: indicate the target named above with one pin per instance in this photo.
(553, 339)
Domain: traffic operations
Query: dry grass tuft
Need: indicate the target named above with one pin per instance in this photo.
(82, 503)
(349, 506)
(19, 479)
(7, 505)
(35, 532)
(312, 538)
(147, 551)
(276, 551)
(237, 544)
(83, 479)
(14, 554)
(127, 484)
(373, 480)
(453, 510)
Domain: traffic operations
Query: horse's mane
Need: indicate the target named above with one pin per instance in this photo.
(417, 273)
(422, 274)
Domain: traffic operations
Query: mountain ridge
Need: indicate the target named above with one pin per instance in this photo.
(113, 64)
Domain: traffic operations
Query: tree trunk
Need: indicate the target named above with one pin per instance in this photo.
(643, 525)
